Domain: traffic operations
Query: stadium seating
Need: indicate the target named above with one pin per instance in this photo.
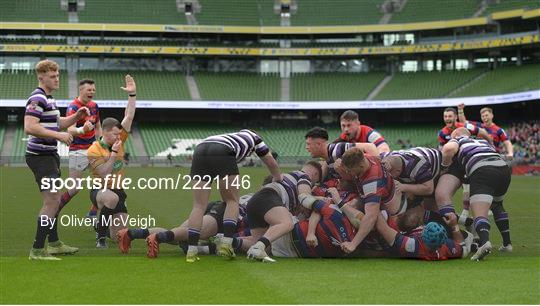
(20, 140)
(18, 84)
(238, 86)
(333, 86)
(151, 85)
(423, 85)
(238, 12)
(136, 11)
(287, 142)
(505, 5)
(337, 12)
(433, 10)
(35, 41)
(504, 80)
(33, 10)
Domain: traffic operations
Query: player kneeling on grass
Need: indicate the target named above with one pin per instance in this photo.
(106, 160)
(212, 225)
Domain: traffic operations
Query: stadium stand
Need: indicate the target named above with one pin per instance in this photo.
(419, 85)
(238, 86)
(33, 10)
(337, 12)
(333, 86)
(238, 12)
(432, 10)
(34, 41)
(136, 12)
(504, 5)
(20, 140)
(151, 85)
(18, 84)
(525, 137)
(287, 142)
(504, 80)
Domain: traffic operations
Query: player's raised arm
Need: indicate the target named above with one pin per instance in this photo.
(461, 112)
(131, 90)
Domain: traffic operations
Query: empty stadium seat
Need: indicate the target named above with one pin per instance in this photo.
(333, 86)
(238, 86)
(424, 85)
(136, 11)
(504, 80)
(19, 84)
(151, 85)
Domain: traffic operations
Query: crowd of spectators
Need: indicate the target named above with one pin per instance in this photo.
(526, 138)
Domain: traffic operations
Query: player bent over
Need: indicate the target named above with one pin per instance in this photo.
(216, 158)
(489, 176)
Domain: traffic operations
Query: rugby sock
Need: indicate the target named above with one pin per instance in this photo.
(104, 221)
(237, 243)
(482, 227)
(466, 205)
(167, 236)
(53, 232)
(93, 209)
(265, 241)
(446, 209)
(41, 232)
(193, 236)
(66, 197)
(229, 227)
(502, 222)
(138, 233)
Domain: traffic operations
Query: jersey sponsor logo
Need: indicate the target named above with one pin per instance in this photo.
(33, 105)
(370, 188)
(118, 165)
(410, 245)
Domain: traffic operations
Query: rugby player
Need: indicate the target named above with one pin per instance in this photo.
(270, 211)
(375, 187)
(106, 161)
(84, 132)
(489, 176)
(212, 225)
(354, 132)
(500, 140)
(317, 145)
(43, 124)
(216, 158)
(416, 172)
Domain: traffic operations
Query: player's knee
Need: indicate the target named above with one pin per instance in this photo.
(288, 224)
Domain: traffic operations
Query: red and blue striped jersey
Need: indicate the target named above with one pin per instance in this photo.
(84, 141)
(332, 229)
(445, 133)
(412, 246)
(365, 134)
(375, 185)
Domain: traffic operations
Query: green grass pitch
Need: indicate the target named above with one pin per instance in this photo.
(104, 276)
